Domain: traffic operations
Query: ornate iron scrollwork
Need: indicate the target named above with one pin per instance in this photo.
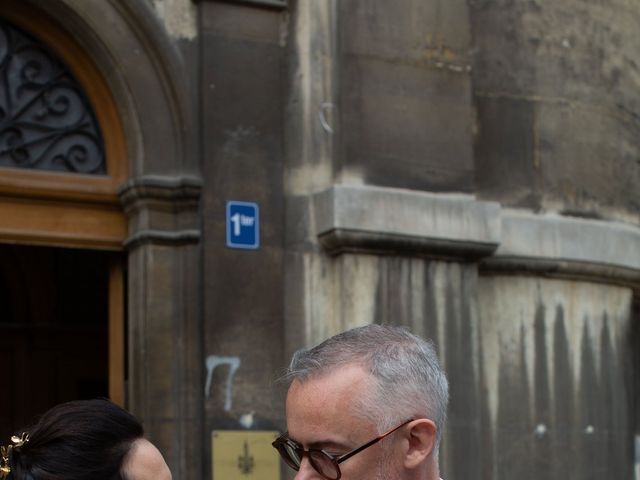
(46, 122)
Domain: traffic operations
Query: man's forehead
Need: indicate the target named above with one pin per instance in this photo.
(326, 410)
(326, 399)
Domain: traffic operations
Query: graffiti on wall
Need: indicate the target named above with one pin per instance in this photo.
(212, 362)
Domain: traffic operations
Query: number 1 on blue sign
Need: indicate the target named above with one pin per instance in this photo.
(236, 224)
(242, 225)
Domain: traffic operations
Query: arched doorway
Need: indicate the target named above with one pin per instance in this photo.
(62, 264)
(135, 77)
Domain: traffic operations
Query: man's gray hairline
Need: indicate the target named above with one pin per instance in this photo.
(374, 409)
(292, 374)
(433, 398)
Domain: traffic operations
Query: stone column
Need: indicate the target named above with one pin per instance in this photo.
(165, 375)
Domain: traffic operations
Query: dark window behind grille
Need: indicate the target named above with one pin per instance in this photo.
(46, 122)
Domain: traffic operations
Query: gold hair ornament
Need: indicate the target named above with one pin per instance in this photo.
(5, 452)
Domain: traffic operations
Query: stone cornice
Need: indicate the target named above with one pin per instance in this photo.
(359, 218)
(356, 218)
(567, 246)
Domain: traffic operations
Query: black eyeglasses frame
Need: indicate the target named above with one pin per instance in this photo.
(281, 443)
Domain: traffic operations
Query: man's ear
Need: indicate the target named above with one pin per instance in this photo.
(422, 440)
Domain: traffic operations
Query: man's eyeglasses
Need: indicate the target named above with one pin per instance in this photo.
(322, 462)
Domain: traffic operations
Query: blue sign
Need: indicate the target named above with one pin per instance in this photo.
(243, 225)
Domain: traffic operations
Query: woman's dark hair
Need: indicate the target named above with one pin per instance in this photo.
(80, 440)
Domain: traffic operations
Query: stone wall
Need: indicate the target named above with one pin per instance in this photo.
(467, 168)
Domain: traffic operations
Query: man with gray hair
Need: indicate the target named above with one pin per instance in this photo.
(367, 404)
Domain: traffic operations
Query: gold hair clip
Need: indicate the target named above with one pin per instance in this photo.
(18, 441)
(5, 452)
(5, 469)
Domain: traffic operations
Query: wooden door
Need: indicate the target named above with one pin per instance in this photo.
(57, 309)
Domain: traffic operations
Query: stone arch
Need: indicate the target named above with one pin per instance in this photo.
(144, 71)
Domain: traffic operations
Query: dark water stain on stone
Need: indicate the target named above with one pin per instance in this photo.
(515, 442)
(464, 414)
(430, 302)
(541, 454)
(379, 311)
(541, 368)
(487, 468)
(400, 289)
(615, 406)
(525, 399)
(452, 363)
(563, 394)
(589, 408)
(470, 340)
(632, 345)
(519, 453)
(395, 292)
(452, 337)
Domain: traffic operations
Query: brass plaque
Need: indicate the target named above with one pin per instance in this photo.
(244, 455)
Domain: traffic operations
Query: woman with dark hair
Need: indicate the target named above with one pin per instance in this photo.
(83, 440)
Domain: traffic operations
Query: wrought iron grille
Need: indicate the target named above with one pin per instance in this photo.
(46, 122)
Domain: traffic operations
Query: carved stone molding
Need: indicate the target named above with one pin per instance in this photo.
(357, 218)
(162, 210)
(360, 218)
(567, 246)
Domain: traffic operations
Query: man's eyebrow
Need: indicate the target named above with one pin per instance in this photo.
(322, 444)
(329, 444)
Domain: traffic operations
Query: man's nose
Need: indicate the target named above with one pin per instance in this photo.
(306, 471)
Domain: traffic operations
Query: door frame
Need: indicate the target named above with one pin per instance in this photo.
(73, 210)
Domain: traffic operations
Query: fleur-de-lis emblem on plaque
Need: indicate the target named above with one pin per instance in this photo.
(246, 463)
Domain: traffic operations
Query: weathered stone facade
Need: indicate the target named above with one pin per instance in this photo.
(470, 169)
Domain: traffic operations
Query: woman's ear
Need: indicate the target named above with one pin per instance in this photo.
(422, 439)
